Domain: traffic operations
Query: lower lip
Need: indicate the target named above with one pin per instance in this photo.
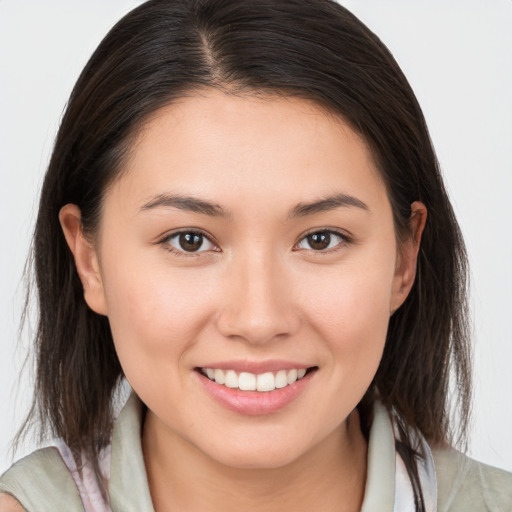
(254, 403)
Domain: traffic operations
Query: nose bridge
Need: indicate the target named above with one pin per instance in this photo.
(258, 305)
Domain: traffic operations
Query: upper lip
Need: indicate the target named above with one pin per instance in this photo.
(256, 367)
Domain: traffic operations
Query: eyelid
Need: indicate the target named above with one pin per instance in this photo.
(346, 239)
(164, 240)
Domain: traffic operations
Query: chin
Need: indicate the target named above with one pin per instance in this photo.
(256, 461)
(257, 455)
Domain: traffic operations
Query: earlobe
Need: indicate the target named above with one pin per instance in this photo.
(405, 272)
(85, 256)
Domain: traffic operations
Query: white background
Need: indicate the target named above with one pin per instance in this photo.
(458, 58)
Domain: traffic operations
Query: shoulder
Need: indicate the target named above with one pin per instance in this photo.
(465, 484)
(9, 504)
(40, 482)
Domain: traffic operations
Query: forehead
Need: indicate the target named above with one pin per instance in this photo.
(266, 150)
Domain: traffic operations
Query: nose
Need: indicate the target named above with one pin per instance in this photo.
(258, 304)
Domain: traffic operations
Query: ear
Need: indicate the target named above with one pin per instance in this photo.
(85, 256)
(408, 256)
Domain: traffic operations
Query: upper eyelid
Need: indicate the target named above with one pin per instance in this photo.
(165, 238)
(325, 230)
(344, 236)
(195, 231)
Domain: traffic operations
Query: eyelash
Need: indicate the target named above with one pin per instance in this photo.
(167, 238)
(345, 239)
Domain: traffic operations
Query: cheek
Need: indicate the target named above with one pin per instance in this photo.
(350, 299)
(155, 316)
(350, 310)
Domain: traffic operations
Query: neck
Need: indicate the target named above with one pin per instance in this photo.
(330, 477)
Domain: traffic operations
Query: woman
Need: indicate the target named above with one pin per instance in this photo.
(243, 215)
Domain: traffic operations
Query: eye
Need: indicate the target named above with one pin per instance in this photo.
(322, 240)
(188, 242)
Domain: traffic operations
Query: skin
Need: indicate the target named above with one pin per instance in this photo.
(9, 504)
(258, 291)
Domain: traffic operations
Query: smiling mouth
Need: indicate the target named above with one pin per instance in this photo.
(262, 382)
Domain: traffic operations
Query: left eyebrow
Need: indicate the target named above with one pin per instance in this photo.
(327, 204)
(189, 203)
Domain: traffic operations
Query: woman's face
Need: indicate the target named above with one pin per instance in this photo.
(246, 239)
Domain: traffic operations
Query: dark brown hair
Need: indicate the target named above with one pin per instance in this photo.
(314, 49)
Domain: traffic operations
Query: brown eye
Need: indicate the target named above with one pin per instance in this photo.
(189, 242)
(319, 241)
(322, 240)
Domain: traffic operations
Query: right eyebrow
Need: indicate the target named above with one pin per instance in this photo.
(188, 203)
(339, 200)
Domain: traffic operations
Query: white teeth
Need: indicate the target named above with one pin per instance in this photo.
(281, 380)
(266, 382)
(291, 376)
(231, 379)
(246, 381)
(219, 376)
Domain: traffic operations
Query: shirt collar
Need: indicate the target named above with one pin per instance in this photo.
(388, 486)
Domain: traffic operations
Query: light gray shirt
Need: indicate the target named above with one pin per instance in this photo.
(42, 482)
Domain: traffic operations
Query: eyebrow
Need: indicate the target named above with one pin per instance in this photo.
(204, 207)
(327, 204)
(188, 203)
